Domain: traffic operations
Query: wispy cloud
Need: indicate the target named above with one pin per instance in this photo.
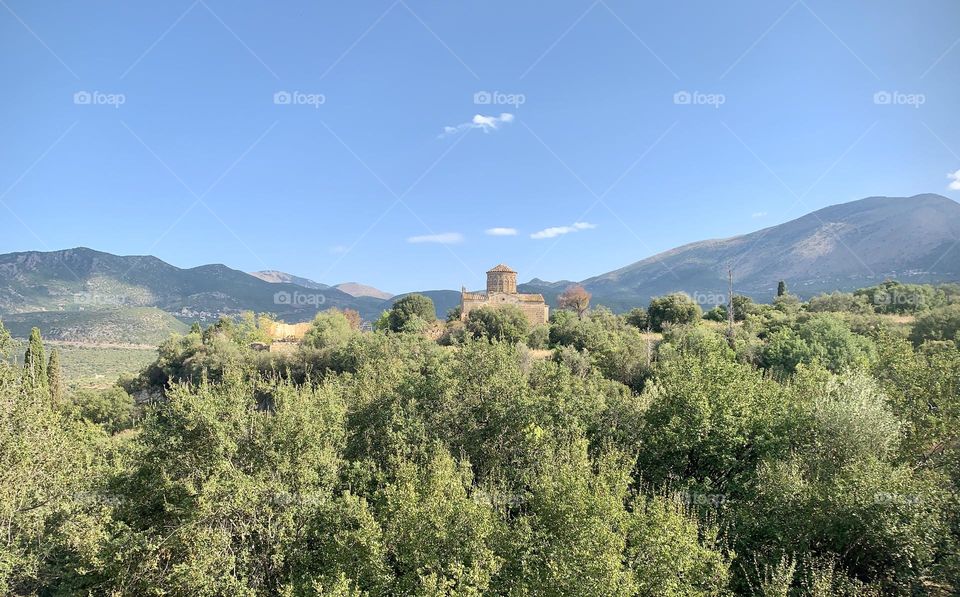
(479, 121)
(954, 180)
(758, 214)
(561, 230)
(339, 249)
(445, 238)
(501, 231)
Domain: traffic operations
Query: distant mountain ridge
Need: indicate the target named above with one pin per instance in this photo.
(841, 247)
(277, 277)
(355, 289)
(83, 279)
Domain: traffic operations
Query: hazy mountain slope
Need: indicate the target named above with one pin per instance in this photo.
(842, 247)
(357, 290)
(82, 278)
(276, 277)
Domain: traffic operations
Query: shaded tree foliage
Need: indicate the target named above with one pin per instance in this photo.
(673, 309)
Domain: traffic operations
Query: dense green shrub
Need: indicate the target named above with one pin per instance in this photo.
(505, 323)
(813, 451)
(673, 309)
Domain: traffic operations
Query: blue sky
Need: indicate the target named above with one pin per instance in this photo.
(609, 130)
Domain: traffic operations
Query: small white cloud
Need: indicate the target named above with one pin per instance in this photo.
(479, 121)
(954, 180)
(501, 231)
(555, 231)
(758, 214)
(446, 238)
(338, 249)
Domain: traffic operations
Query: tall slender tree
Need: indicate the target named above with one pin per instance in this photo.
(781, 288)
(35, 361)
(6, 343)
(55, 377)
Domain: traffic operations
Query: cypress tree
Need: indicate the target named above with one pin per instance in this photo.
(35, 361)
(55, 377)
(781, 288)
(5, 342)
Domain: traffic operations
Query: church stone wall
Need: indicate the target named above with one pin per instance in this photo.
(532, 305)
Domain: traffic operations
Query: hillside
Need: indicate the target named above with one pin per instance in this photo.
(355, 289)
(138, 325)
(277, 277)
(82, 278)
(843, 247)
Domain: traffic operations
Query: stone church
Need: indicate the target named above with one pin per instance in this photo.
(502, 290)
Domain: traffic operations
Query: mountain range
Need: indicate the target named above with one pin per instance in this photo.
(840, 247)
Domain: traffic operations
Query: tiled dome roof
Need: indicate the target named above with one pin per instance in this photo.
(502, 268)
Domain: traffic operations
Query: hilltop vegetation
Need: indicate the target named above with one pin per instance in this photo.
(141, 325)
(812, 449)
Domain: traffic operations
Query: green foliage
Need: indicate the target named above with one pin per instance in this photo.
(896, 298)
(673, 309)
(822, 338)
(454, 314)
(717, 314)
(35, 362)
(938, 324)
(113, 408)
(838, 491)
(438, 538)
(250, 329)
(329, 329)
(615, 348)
(709, 421)
(6, 342)
(833, 344)
(48, 506)
(743, 306)
(410, 313)
(785, 350)
(671, 553)
(787, 303)
(637, 317)
(506, 323)
(818, 453)
(55, 377)
(226, 479)
(539, 337)
(840, 302)
(781, 288)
